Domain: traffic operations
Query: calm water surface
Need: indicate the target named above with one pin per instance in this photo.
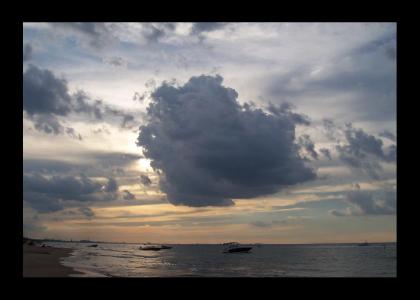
(126, 260)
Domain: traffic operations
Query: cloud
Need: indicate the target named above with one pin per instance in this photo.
(87, 211)
(115, 61)
(200, 27)
(286, 108)
(46, 98)
(111, 186)
(153, 32)
(389, 135)
(45, 93)
(364, 151)
(128, 196)
(331, 129)
(47, 194)
(306, 142)
(382, 202)
(211, 149)
(145, 180)
(326, 153)
(97, 35)
(27, 52)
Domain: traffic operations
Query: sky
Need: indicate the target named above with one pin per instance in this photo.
(210, 132)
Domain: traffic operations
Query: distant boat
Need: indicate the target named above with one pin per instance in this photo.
(94, 245)
(165, 247)
(363, 244)
(234, 247)
(150, 247)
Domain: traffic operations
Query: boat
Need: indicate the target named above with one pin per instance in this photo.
(94, 245)
(234, 247)
(151, 247)
(363, 244)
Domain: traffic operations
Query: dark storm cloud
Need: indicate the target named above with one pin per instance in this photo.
(211, 149)
(47, 194)
(145, 180)
(306, 143)
(387, 134)
(46, 98)
(27, 52)
(200, 27)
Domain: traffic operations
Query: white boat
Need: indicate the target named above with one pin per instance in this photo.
(234, 247)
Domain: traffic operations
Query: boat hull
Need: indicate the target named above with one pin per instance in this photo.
(239, 250)
(151, 249)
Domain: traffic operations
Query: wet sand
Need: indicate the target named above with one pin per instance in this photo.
(45, 262)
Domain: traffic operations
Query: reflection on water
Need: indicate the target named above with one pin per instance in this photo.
(126, 260)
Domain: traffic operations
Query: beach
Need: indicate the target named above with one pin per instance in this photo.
(45, 262)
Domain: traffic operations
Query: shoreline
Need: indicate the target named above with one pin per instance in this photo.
(45, 262)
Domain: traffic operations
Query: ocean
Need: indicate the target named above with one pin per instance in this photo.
(338, 260)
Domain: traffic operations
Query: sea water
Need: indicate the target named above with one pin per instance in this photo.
(127, 260)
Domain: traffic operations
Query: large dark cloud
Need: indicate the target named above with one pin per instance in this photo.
(46, 99)
(211, 149)
(49, 193)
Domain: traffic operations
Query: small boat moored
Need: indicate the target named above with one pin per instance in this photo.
(234, 247)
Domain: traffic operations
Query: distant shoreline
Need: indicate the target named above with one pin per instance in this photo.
(45, 262)
(254, 243)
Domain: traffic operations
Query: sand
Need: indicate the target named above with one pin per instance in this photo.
(45, 262)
